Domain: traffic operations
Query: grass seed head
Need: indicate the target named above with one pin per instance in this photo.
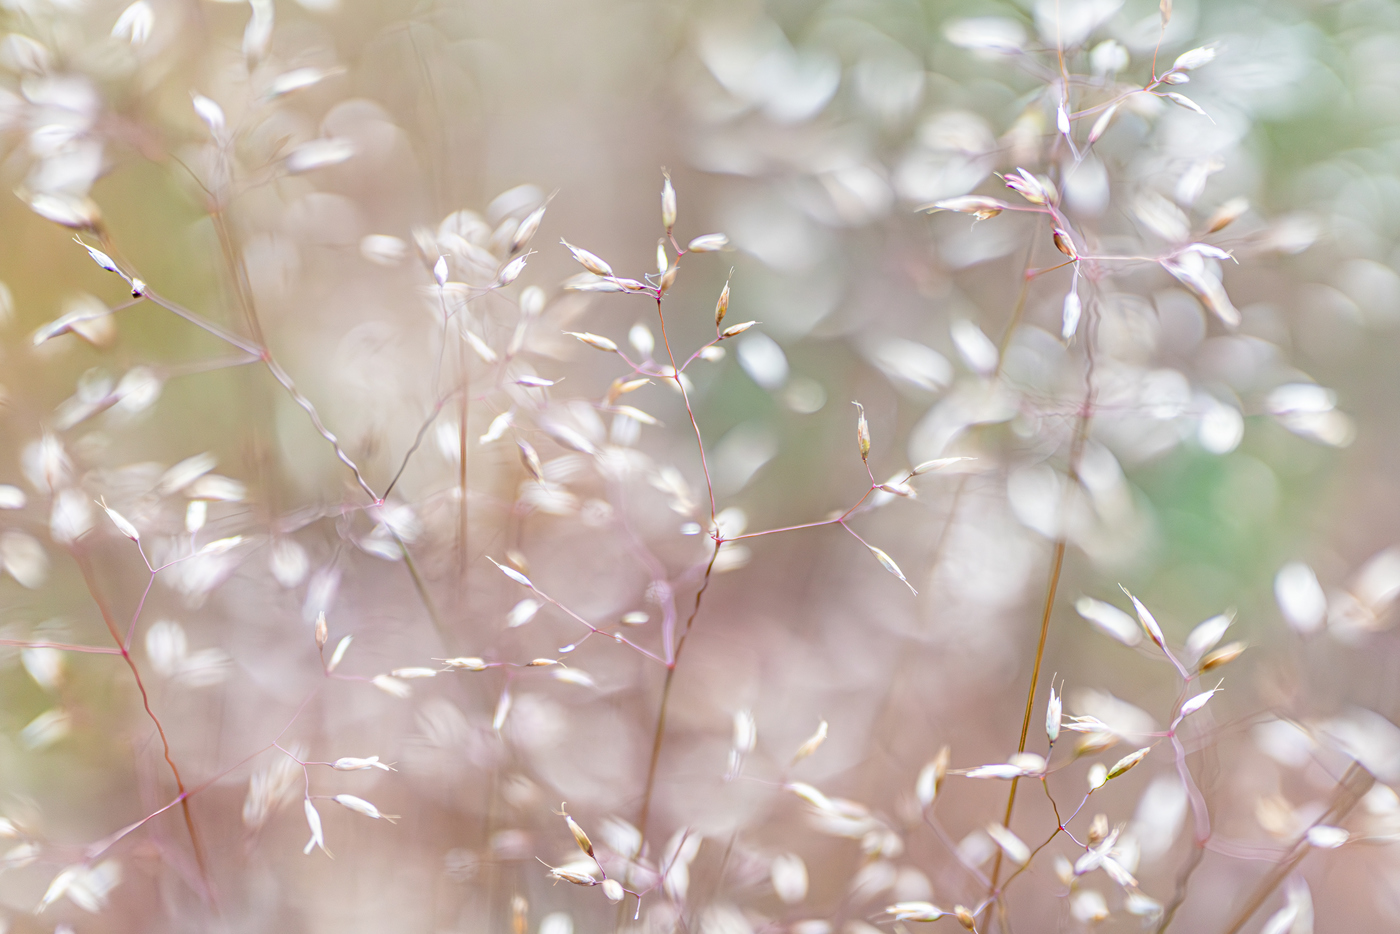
(965, 917)
(862, 431)
(1223, 655)
(668, 202)
(589, 261)
(580, 837)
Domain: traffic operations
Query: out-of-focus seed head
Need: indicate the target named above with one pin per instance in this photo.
(527, 229)
(663, 262)
(519, 914)
(340, 649)
(440, 270)
(708, 243)
(463, 663)
(531, 460)
(979, 206)
(812, 743)
(1226, 214)
(1093, 743)
(1101, 125)
(1195, 58)
(931, 777)
(965, 917)
(322, 631)
(1098, 774)
(613, 890)
(1098, 829)
(668, 202)
(1223, 655)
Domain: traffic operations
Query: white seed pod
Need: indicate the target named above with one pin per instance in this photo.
(464, 663)
(1194, 704)
(318, 836)
(745, 732)
(341, 648)
(1126, 763)
(1013, 846)
(410, 674)
(122, 523)
(511, 573)
(915, 911)
(1109, 620)
(528, 228)
(788, 874)
(1195, 58)
(512, 270)
(588, 260)
(979, 206)
(354, 764)
(392, 686)
(318, 154)
(361, 806)
(668, 203)
(812, 743)
(1054, 712)
(135, 23)
(613, 890)
(707, 243)
(594, 340)
(888, 564)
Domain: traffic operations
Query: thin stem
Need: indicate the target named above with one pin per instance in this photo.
(85, 568)
(1081, 433)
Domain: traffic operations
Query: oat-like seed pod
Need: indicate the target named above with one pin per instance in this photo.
(812, 743)
(1064, 244)
(531, 460)
(1098, 774)
(322, 631)
(668, 202)
(580, 837)
(594, 340)
(722, 306)
(1053, 713)
(965, 917)
(613, 890)
(1098, 829)
(736, 329)
(588, 261)
(1226, 214)
(527, 228)
(862, 431)
(339, 653)
(1127, 762)
(1223, 655)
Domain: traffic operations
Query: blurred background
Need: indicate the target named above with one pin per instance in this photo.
(287, 175)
